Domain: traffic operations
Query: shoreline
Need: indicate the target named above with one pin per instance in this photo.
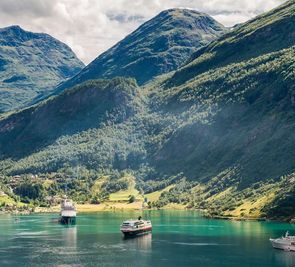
(137, 206)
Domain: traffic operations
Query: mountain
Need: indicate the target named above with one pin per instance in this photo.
(218, 131)
(31, 64)
(158, 46)
(86, 106)
(233, 106)
(267, 33)
(243, 92)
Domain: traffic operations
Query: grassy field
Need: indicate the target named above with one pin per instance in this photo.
(109, 206)
(154, 196)
(251, 208)
(117, 200)
(123, 195)
(220, 195)
(98, 183)
(174, 206)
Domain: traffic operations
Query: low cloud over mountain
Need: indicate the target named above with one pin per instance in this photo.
(90, 27)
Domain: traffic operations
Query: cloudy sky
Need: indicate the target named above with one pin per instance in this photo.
(90, 27)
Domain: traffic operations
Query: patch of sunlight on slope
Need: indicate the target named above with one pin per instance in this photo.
(6, 200)
(98, 183)
(123, 195)
(198, 189)
(154, 196)
(251, 208)
(47, 183)
(220, 195)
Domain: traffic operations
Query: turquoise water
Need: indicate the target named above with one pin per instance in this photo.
(179, 238)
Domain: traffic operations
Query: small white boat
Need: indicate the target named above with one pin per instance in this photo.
(136, 227)
(68, 212)
(286, 242)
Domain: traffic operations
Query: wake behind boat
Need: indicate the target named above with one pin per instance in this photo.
(286, 242)
(136, 227)
(68, 212)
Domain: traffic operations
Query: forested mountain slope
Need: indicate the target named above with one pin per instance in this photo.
(243, 105)
(31, 65)
(223, 136)
(264, 34)
(87, 106)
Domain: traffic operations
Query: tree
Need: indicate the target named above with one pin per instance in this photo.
(131, 199)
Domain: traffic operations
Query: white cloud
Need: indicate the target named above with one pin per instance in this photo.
(90, 27)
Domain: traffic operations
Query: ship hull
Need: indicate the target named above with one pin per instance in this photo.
(287, 246)
(137, 232)
(68, 220)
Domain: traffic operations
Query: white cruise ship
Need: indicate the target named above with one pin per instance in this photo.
(136, 227)
(286, 242)
(68, 212)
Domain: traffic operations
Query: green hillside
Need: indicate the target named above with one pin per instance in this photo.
(217, 135)
(240, 115)
(31, 65)
(89, 106)
(264, 34)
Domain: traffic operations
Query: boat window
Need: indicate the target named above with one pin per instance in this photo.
(139, 223)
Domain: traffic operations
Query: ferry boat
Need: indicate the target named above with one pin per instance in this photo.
(286, 242)
(136, 227)
(68, 212)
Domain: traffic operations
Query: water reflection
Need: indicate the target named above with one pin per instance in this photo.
(69, 234)
(284, 258)
(143, 242)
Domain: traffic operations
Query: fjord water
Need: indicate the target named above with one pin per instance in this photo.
(179, 238)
